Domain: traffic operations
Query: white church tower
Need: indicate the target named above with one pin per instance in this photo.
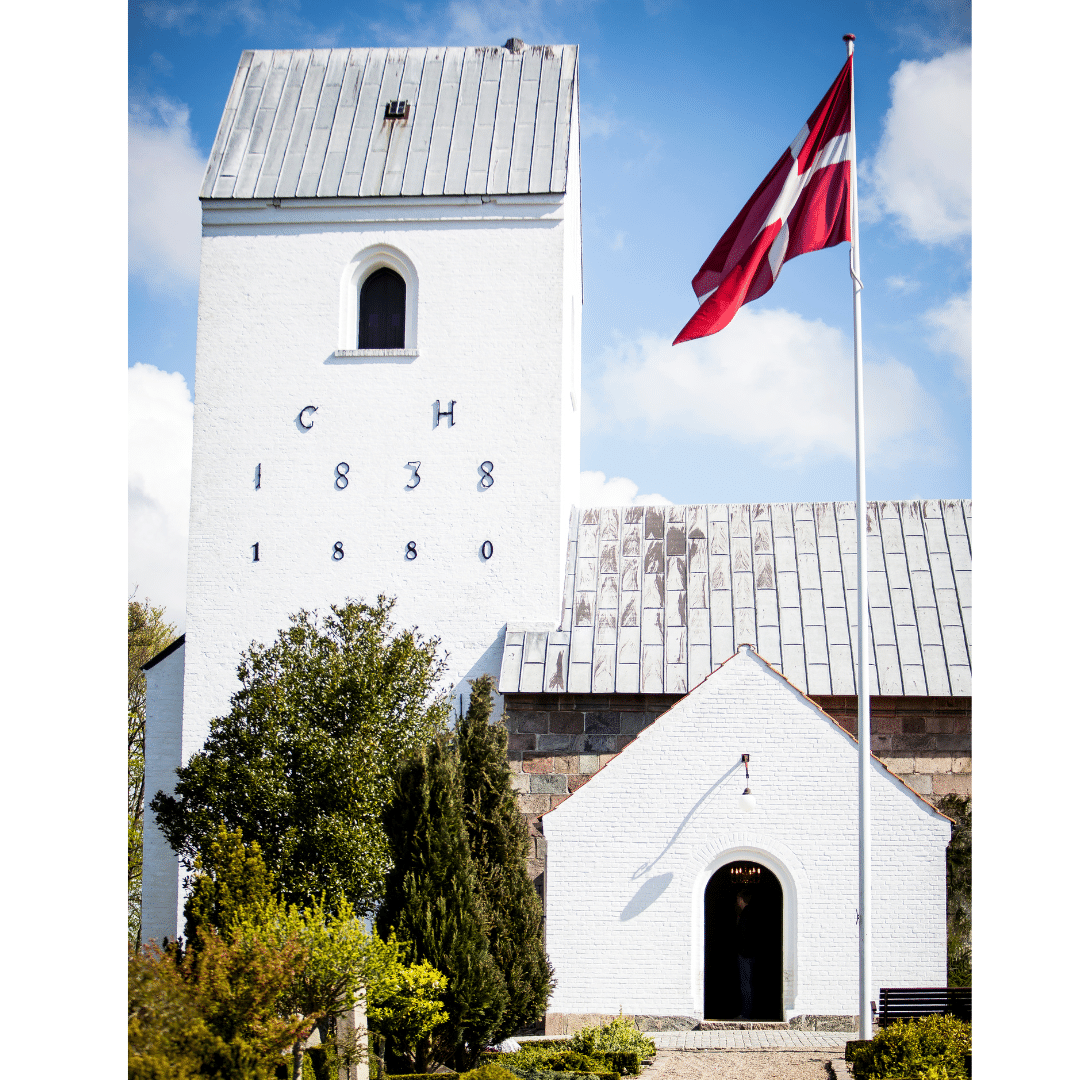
(387, 382)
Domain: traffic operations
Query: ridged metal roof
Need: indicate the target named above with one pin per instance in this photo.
(658, 597)
(307, 123)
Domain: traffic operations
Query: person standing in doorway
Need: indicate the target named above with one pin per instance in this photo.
(747, 946)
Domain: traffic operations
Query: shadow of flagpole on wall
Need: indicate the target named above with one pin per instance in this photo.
(644, 868)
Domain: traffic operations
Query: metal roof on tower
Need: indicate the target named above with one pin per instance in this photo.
(330, 123)
(658, 597)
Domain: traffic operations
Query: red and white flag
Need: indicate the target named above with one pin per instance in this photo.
(801, 206)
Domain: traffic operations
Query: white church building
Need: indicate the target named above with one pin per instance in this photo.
(387, 401)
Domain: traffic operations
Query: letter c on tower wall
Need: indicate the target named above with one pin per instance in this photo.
(307, 409)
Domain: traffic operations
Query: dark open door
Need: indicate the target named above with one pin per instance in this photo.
(723, 995)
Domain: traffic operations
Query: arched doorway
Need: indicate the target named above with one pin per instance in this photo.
(761, 913)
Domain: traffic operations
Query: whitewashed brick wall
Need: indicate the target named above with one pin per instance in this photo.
(162, 904)
(497, 331)
(667, 805)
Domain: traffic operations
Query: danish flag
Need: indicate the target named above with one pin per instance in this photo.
(801, 206)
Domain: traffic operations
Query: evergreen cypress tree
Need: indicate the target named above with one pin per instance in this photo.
(432, 902)
(498, 842)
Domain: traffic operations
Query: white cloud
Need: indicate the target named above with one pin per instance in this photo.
(480, 22)
(278, 20)
(771, 379)
(159, 486)
(951, 332)
(596, 490)
(165, 172)
(921, 173)
(596, 121)
(904, 285)
(191, 16)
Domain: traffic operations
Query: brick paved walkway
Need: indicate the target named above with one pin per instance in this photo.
(832, 1041)
(773, 1064)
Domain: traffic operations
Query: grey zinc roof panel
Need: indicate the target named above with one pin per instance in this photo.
(457, 164)
(524, 127)
(502, 135)
(484, 123)
(329, 178)
(383, 131)
(547, 107)
(427, 100)
(322, 123)
(363, 120)
(657, 597)
(303, 123)
(259, 136)
(236, 91)
(443, 122)
(401, 135)
(281, 127)
(563, 115)
(311, 123)
(234, 133)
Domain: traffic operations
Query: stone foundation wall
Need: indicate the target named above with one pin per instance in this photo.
(557, 741)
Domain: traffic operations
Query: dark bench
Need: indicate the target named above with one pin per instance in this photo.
(910, 1002)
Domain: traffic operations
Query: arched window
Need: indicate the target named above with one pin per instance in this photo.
(382, 311)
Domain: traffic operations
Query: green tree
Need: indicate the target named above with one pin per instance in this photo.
(233, 898)
(498, 840)
(336, 952)
(958, 888)
(230, 879)
(148, 634)
(304, 761)
(432, 902)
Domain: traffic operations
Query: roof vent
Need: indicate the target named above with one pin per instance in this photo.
(514, 44)
(397, 110)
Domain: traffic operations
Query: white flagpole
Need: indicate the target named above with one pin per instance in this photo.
(865, 1020)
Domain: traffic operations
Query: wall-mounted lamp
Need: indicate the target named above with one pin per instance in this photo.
(746, 799)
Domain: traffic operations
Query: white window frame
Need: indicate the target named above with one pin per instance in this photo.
(359, 269)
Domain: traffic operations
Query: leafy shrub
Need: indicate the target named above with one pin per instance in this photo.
(210, 1011)
(930, 1048)
(618, 1042)
(406, 1006)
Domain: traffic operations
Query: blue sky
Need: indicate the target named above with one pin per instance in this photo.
(685, 106)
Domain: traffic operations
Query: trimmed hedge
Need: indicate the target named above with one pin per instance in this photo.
(559, 1074)
(489, 1071)
(419, 1076)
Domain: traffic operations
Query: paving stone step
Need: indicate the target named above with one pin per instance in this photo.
(744, 1025)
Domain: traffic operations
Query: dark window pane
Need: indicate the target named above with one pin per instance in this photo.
(382, 311)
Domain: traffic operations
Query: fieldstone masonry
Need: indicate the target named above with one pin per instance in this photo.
(557, 741)
(926, 741)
